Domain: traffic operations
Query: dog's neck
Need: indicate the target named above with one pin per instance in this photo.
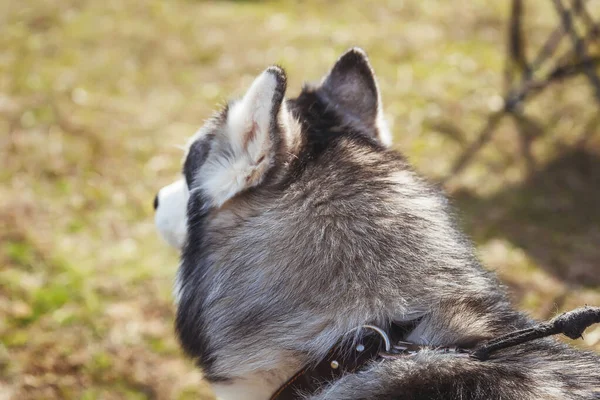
(261, 385)
(244, 388)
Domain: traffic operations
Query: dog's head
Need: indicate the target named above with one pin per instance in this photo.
(297, 223)
(239, 147)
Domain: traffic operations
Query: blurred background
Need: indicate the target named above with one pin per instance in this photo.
(497, 101)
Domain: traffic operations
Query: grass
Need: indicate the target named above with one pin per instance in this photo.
(95, 97)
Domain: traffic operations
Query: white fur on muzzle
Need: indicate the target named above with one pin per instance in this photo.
(171, 213)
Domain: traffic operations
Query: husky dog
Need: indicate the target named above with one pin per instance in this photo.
(297, 223)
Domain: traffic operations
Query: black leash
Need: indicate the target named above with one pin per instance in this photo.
(571, 324)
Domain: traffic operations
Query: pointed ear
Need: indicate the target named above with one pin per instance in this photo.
(352, 87)
(255, 131)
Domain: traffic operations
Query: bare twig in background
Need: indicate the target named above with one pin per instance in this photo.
(547, 49)
(594, 29)
(484, 136)
(520, 83)
(528, 130)
(516, 61)
(578, 43)
(533, 87)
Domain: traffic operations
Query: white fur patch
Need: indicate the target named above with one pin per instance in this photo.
(177, 286)
(246, 389)
(247, 133)
(171, 214)
(385, 136)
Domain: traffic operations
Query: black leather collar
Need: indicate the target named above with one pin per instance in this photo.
(348, 356)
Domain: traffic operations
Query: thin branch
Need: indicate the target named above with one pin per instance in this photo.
(593, 28)
(559, 73)
(548, 48)
(579, 45)
(484, 136)
(516, 38)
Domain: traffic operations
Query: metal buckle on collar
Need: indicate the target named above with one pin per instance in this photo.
(381, 332)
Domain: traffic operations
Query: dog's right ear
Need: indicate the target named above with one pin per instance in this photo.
(252, 133)
(352, 88)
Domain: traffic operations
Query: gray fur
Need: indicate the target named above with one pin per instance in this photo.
(340, 233)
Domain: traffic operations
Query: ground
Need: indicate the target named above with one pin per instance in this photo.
(96, 98)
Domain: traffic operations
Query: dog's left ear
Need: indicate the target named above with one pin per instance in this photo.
(352, 87)
(256, 131)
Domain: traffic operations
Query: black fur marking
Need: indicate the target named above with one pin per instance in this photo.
(351, 90)
(189, 320)
(195, 158)
(276, 102)
(322, 127)
(281, 79)
(455, 383)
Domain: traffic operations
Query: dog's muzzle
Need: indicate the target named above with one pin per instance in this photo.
(171, 213)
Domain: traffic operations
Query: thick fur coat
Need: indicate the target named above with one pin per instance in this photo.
(302, 224)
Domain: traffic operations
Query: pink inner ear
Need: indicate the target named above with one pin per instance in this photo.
(251, 134)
